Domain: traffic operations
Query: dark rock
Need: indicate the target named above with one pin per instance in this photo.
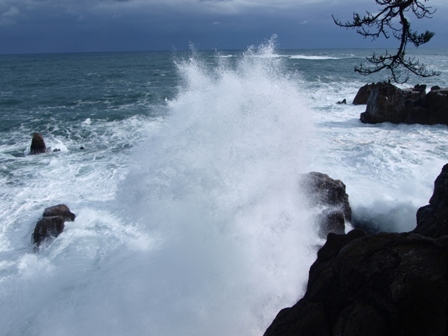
(323, 192)
(437, 102)
(387, 103)
(331, 221)
(382, 284)
(363, 94)
(37, 144)
(344, 101)
(420, 88)
(48, 227)
(432, 219)
(60, 210)
(435, 87)
(52, 223)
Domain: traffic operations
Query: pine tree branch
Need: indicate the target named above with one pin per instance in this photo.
(384, 24)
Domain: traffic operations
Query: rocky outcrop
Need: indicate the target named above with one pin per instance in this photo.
(377, 285)
(52, 222)
(328, 195)
(437, 106)
(60, 210)
(363, 94)
(382, 284)
(48, 227)
(432, 219)
(37, 144)
(387, 103)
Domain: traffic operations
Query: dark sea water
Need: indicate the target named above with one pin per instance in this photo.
(189, 217)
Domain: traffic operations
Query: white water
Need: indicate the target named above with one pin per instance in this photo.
(389, 170)
(198, 229)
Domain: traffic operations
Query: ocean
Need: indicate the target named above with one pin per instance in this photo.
(189, 219)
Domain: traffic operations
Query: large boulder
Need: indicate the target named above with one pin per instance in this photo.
(387, 103)
(37, 144)
(329, 196)
(378, 284)
(52, 222)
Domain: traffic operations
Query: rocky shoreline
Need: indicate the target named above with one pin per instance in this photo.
(378, 284)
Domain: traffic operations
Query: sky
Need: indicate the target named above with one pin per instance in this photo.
(48, 26)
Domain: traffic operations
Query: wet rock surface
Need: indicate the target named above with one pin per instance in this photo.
(330, 198)
(37, 144)
(388, 103)
(378, 284)
(52, 223)
(432, 219)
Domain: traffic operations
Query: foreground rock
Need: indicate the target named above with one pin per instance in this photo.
(375, 285)
(52, 223)
(378, 284)
(37, 144)
(329, 196)
(387, 103)
(432, 219)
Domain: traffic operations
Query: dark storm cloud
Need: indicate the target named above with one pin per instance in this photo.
(125, 25)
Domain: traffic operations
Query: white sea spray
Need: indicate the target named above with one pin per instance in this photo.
(188, 218)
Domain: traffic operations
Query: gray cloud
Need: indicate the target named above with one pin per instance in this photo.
(114, 25)
(13, 11)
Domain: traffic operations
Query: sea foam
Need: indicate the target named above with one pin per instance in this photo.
(202, 233)
(217, 182)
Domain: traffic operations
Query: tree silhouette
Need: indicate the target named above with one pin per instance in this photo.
(391, 21)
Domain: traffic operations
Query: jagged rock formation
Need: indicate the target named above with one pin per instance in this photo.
(329, 196)
(385, 284)
(363, 94)
(387, 103)
(37, 144)
(52, 222)
(432, 219)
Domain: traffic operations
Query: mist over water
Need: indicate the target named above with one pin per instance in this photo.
(198, 230)
(217, 184)
(189, 217)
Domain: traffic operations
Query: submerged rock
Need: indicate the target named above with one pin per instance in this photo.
(37, 144)
(378, 284)
(52, 223)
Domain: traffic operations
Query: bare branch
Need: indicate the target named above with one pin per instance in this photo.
(382, 24)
